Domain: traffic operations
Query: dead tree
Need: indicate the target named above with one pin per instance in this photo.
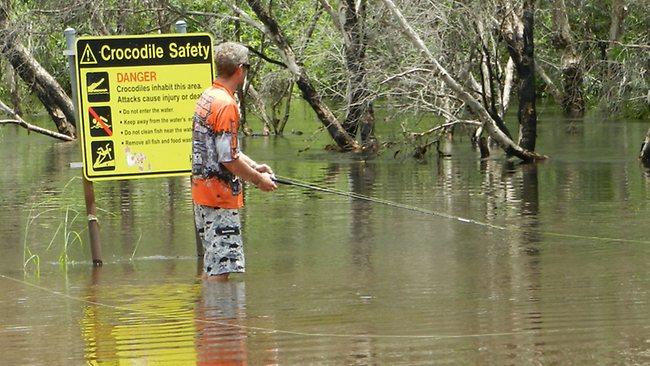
(490, 86)
(47, 89)
(518, 33)
(272, 30)
(360, 115)
(276, 90)
(487, 122)
(278, 86)
(613, 72)
(573, 102)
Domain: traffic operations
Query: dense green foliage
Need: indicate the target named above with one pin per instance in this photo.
(616, 73)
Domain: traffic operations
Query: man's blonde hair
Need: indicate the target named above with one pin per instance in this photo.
(228, 56)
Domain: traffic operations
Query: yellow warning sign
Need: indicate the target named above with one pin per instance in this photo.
(136, 101)
(87, 57)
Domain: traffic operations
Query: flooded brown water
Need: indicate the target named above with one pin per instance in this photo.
(553, 271)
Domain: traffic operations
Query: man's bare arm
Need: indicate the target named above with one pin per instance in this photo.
(262, 168)
(241, 168)
(246, 159)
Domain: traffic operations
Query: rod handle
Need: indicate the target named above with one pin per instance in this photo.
(281, 180)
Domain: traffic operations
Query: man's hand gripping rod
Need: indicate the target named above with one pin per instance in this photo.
(282, 180)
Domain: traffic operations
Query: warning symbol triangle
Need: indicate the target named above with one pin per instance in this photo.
(87, 58)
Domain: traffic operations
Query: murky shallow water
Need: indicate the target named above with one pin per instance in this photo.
(337, 281)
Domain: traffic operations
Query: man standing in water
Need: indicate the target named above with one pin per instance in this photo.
(218, 166)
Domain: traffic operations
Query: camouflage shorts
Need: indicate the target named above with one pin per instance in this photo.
(219, 229)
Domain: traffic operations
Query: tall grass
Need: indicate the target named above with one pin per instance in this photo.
(65, 231)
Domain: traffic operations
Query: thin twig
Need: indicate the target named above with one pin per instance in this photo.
(445, 125)
(266, 58)
(401, 74)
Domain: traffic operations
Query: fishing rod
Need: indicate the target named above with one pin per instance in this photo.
(278, 179)
(288, 182)
(294, 182)
(306, 185)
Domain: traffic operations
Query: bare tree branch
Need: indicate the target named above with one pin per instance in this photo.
(552, 89)
(30, 127)
(445, 125)
(407, 72)
(336, 19)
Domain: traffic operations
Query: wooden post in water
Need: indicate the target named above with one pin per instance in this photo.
(181, 27)
(93, 224)
(89, 190)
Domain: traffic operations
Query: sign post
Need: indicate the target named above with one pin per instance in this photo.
(135, 98)
(89, 190)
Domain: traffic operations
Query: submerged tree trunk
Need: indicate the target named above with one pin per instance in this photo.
(49, 92)
(367, 124)
(518, 33)
(47, 89)
(490, 86)
(573, 102)
(287, 109)
(336, 131)
(309, 93)
(527, 109)
(359, 110)
(521, 47)
(474, 105)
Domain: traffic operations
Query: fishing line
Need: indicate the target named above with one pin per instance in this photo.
(298, 183)
(295, 333)
(311, 186)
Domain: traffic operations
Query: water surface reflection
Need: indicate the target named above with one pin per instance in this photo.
(333, 280)
(138, 324)
(220, 337)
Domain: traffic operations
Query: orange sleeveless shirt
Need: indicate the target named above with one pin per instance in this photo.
(217, 110)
